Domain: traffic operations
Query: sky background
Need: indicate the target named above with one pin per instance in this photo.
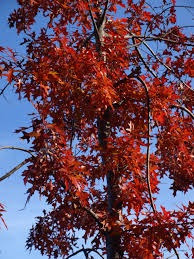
(14, 114)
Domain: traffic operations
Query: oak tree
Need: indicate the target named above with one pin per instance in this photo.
(111, 84)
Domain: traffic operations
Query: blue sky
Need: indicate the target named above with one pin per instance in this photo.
(13, 114)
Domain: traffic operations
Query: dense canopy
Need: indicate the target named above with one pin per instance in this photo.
(111, 84)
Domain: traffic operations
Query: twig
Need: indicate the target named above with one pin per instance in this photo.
(184, 109)
(13, 170)
(159, 38)
(18, 148)
(85, 250)
(4, 88)
(161, 62)
(142, 59)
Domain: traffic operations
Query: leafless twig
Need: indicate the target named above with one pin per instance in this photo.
(85, 250)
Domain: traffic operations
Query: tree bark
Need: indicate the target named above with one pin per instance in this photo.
(113, 240)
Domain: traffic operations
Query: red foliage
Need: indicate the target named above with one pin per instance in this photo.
(111, 122)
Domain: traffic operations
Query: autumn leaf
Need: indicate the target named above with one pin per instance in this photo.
(110, 83)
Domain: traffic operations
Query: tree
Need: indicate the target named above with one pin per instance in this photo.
(111, 83)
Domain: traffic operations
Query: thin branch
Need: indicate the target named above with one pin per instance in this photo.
(16, 168)
(184, 109)
(18, 148)
(159, 38)
(154, 54)
(84, 44)
(162, 63)
(86, 253)
(94, 23)
(85, 250)
(104, 13)
(148, 145)
(176, 253)
(176, 6)
(89, 211)
(148, 158)
(135, 72)
(142, 59)
(4, 88)
(93, 215)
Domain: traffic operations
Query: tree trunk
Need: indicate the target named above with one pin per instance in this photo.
(113, 240)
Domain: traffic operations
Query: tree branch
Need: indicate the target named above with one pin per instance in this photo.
(85, 250)
(162, 63)
(157, 38)
(89, 211)
(142, 59)
(18, 148)
(93, 215)
(4, 88)
(184, 109)
(13, 170)
(104, 13)
(148, 145)
(96, 32)
(148, 159)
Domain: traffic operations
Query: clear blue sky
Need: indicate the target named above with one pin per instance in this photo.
(13, 114)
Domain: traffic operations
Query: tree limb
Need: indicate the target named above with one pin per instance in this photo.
(85, 250)
(148, 144)
(16, 168)
(93, 215)
(162, 63)
(142, 59)
(4, 88)
(94, 23)
(156, 38)
(18, 148)
(104, 13)
(88, 210)
(184, 109)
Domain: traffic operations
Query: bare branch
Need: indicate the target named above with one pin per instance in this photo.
(4, 88)
(159, 38)
(184, 109)
(96, 32)
(162, 63)
(102, 19)
(142, 59)
(148, 159)
(85, 250)
(8, 174)
(93, 214)
(18, 148)
(148, 145)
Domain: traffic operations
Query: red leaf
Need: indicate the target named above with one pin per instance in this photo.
(10, 75)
